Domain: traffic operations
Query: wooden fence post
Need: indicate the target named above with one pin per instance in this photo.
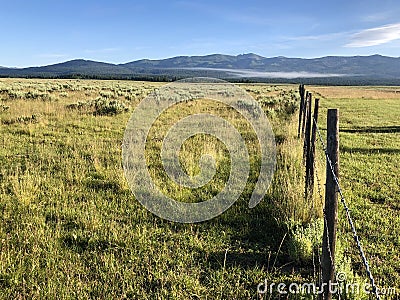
(311, 161)
(303, 125)
(331, 204)
(301, 110)
(307, 133)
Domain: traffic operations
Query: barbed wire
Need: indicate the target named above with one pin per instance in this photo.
(325, 220)
(348, 215)
(324, 213)
(319, 190)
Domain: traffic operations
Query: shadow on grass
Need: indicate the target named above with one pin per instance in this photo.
(377, 129)
(369, 150)
(80, 243)
(255, 239)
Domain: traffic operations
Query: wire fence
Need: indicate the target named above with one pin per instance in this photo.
(304, 116)
(348, 215)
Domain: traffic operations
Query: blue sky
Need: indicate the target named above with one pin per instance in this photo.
(44, 32)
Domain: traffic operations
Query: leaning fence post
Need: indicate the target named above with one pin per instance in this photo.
(311, 161)
(331, 204)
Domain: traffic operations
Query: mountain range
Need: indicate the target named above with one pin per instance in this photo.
(374, 67)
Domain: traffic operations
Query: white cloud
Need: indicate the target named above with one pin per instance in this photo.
(375, 36)
(261, 74)
(287, 75)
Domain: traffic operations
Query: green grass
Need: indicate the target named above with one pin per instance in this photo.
(70, 227)
(369, 159)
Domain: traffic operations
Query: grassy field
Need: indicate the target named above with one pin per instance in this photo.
(369, 160)
(70, 227)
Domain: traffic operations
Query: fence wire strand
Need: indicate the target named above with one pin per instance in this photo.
(348, 215)
(322, 204)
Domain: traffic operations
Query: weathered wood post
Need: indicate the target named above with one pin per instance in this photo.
(303, 124)
(331, 204)
(311, 161)
(307, 130)
(301, 110)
